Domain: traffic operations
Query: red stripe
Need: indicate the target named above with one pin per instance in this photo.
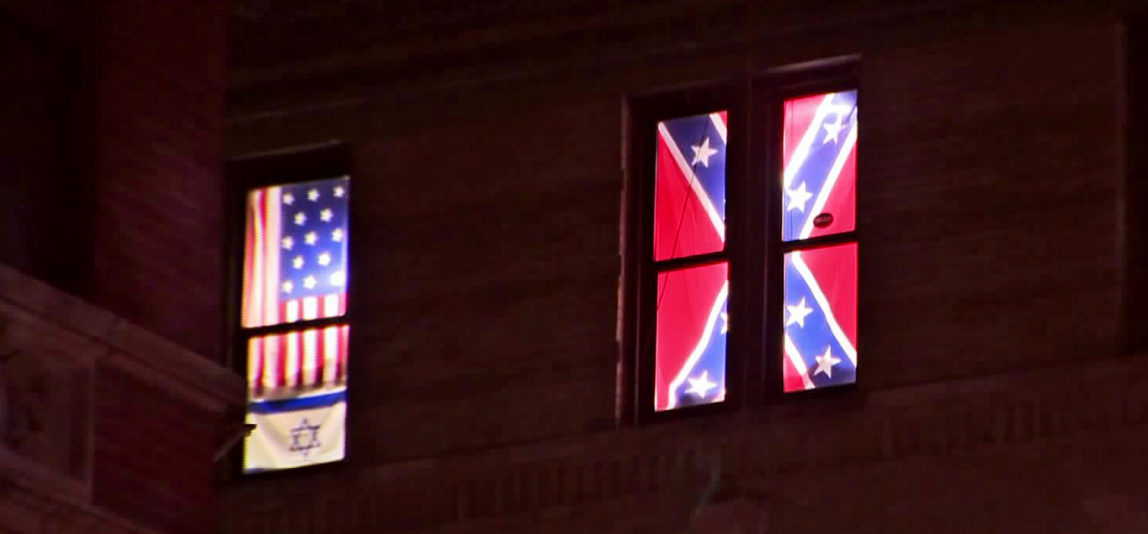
(274, 289)
(321, 358)
(263, 203)
(281, 375)
(255, 352)
(248, 260)
(341, 360)
(296, 372)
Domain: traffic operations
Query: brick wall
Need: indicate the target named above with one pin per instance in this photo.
(40, 193)
(990, 179)
(486, 225)
(489, 280)
(156, 93)
(487, 239)
(112, 140)
(112, 149)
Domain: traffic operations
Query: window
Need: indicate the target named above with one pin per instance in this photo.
(819, 249)
(690, 261)
(741, 264)
(293, 329)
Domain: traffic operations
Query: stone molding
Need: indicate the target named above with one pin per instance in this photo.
(119, 343)
(30, 508)
(53, 349)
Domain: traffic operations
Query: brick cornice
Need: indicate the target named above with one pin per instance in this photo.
(748, 451)
(350, 62)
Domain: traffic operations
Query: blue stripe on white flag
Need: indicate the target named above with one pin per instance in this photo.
(300, 403)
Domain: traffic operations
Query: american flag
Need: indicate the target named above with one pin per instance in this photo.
(820, 293)
(295, 268)
(689, 219)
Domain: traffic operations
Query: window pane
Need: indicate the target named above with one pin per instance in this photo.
(691, 328)
(820, 165)
(689, 186)
(820, 317)
(295, 252)
(296, 397)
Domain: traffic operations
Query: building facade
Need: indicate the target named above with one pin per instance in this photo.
(113, 400)
(491, 151)
(494, 297)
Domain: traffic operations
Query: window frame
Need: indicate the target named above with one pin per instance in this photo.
(775, 91)
(244, 174)
(640, 269)
(753, 237)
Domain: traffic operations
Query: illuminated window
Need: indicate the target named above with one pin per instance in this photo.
(740, 273)
(689, 258)
(819, 250)
(293, 332)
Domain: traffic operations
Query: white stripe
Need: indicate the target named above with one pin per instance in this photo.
(310, 356)
(807, 275)
(310, 308)
(695, 184)
(291, 314)
(696, 355)
(719, 125)
(331, 305)
(802, 150)
(330, 353)
(798, 362)
(293, 363)
(831, 180)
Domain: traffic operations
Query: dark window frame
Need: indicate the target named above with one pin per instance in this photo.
(244, 174)
(775, 90)
(640, 270)
(753, 237)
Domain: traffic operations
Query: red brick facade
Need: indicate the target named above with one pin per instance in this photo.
(113, 193)
(157, 87)
(488, 179)
(488, 157)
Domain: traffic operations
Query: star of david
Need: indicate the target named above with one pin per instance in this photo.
(308, 431)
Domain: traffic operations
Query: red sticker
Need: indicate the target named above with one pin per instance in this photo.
(823, 220)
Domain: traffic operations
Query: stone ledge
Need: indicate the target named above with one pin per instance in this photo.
(145, 354)
(27, 507)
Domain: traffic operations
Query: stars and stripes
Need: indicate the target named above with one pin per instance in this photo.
(295, 269)
(689, 219)
(295, 266)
